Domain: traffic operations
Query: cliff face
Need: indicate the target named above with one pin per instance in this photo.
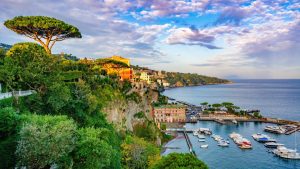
(121, 111)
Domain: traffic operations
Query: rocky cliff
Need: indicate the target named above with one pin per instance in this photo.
(121, 111)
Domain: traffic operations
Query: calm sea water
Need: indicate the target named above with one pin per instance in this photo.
(275, 98)
(233, 157)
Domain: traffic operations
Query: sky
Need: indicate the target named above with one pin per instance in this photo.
(231, 39)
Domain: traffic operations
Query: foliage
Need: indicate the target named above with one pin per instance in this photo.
(9, 121)
(139, 115)
(189, 79)
(204, 103)
(46, 140)
(179, 161)
(93, 150)
(138, 153)
(45, 30)
(7, 152)
(28, 66)
(146, 130)
(134, 96)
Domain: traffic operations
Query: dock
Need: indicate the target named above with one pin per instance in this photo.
(189, 143)
(292, 131)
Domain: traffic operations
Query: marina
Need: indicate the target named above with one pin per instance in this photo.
(261, 153)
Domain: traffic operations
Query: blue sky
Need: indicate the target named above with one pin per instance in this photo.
(224, 38)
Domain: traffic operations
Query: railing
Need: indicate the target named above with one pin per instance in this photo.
(16, 93)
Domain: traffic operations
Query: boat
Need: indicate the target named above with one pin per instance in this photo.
(275, 129)
(200, 136)
(201, 140)
(242, 142)
(284, 152)
(204, 146)
(234, 121)
(272, 145)
(223, 143)
(262, 138)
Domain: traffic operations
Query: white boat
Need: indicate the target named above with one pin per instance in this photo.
(223, 143)
(201, 140)
(273, 145)
(284, 152)
(242, 142)
(275, 129)
(204, 146)
(201, 136)
(262, 138)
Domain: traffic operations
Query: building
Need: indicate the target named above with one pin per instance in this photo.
(145, 77)
(125, 73)
(170, 113)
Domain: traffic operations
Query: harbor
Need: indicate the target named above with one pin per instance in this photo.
(215, 155)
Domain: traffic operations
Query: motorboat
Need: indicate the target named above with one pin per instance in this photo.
(262, 138)
(273, 145)
(223, 143)
(242, 142)
(275, 129)
(284, 152)
(204, 146)
(200, 136)
(201, 140)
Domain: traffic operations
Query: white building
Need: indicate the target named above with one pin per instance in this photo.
(146, 77)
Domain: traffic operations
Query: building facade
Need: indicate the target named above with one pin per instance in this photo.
(125, 73)
(170, 113)
(146, 77)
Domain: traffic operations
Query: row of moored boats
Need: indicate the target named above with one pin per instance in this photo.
(279, 149)
(243, 143)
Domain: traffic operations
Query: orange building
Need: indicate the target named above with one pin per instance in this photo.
(170, 113)
(123, 73)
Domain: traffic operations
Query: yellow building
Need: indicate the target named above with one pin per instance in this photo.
(146, 77)
(123, 73)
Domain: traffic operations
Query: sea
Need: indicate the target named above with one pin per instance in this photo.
(274, 98)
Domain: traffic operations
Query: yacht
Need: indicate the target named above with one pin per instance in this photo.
(273, 145)
(275, 129)
(284, 152)
(262, 138)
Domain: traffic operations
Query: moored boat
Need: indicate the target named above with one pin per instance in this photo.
(284, 152)
(275, 129)
(262, 138)
(204, 146)
(273, 145)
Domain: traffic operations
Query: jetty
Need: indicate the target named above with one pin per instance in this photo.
(189, 143)
(292, 131)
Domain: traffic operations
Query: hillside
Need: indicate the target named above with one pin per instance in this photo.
(177, 79)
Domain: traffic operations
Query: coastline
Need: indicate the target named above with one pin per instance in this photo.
(174, 87)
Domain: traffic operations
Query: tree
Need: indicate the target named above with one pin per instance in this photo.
(179, 161)
(2, 55)
(204, 103)
(9, 120)
(93, 149)
(138, 153)
(45, 141)
(28, 66)
(45, 30)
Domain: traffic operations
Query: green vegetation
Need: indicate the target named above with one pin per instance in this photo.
(45, 30)
(138, 153)
(62, 124)
(179, 161)
(190, 79)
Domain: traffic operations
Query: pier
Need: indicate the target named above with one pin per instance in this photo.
(189, 143)
(292, 131)
(187, 139)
